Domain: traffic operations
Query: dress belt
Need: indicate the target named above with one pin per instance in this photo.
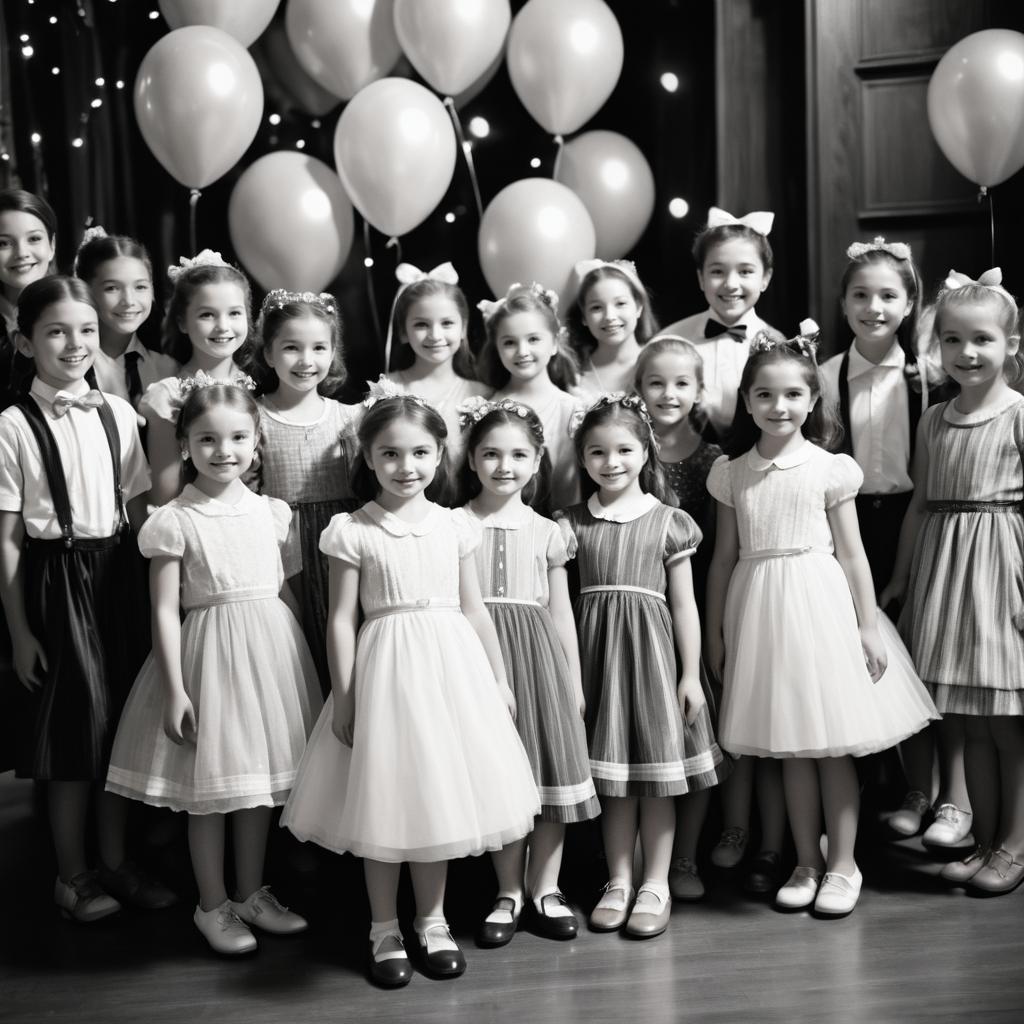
(746, 556)
(953, 508)
(513, 600)
(631, 590)
(426, 604)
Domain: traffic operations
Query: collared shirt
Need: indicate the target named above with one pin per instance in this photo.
(153, 366)
(724, 358)
(879, 417)
(85, 455)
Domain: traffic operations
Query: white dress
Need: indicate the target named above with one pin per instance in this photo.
(244, 661)
(436, 769)
(796, 684)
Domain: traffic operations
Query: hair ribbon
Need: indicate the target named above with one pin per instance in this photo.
(760, 221)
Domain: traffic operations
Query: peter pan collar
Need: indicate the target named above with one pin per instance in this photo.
(498, 521)
(214, 508)
(624, 512)
(757, 462)
(399, 527)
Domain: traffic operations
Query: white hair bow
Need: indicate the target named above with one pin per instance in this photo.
(627, 267)
(760, 221)
(408, 274)
(990, 279)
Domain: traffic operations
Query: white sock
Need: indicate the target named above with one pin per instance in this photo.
(440, 939)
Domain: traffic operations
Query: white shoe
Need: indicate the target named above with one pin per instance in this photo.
(838, 893)
(800, 890)
(263, 910)
(82, 899)
(224, 930)
(907, 820)
(950, 827)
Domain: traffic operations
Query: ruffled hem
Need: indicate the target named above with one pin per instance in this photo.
(854, 750)
(168, 793)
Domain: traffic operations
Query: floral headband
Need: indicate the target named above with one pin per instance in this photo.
(627, 401)
(201, 380)
(206, 258)
(805, 343)
(490, 309)
(384, 387)
(624, 267)
(897, 250)
(760, 221)
(475, 408)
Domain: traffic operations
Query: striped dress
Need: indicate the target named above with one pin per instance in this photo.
(640, 744)
(513, 561)
(965, 605)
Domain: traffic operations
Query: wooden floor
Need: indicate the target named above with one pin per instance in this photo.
(913, 950)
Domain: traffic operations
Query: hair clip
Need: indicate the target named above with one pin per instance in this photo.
(760, 221)
(201, 380)
(277, 298)
(897, 250)
(805, 343)
(384, 388)
(626, 267)
(473, 409)
(206, 258)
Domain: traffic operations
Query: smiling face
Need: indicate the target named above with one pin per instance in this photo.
(670, 386)
(876, 303)
(525, 345)
(300, 353)
(613, 457)
(216, 320)
(610, 311)
(779, 399)
(404, 458)
(26, 250)
(221, 443)
(505, 460)
(434, 329)
(733, 278)
(123, 291)
(973, 344)
(64, 342)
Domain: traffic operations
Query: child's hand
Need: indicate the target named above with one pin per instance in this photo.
(509, 699)
(714, 655)
(893, 592)
(179, 719)
(875, 655)
(691, 698)
(581, 704)
(344, 722)
(28, 653)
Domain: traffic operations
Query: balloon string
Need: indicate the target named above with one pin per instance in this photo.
(992, 226)
(370, 293)
(560, 143)
(395, 243)
(193, 201)
(467, 152)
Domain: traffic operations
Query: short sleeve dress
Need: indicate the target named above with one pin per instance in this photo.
(964, 613)
(245, 665)
(795, 680)
(513, 561)
(640, 744)
(436, 769)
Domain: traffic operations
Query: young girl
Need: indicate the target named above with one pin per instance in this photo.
(609, 321)
(120, 276)
(648, 726)
(882, 389)
(791, 615)
(306, 438)
(415, 757)
(670, 380)
(524, 360)
(218, 717)
(521, 564)
(734, 267)
(207, 322)
(28, 245)
(430, 317)
(964, 531)
(72, 476)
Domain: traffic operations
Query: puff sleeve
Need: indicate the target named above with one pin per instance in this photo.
(567, 534)
(161, 534)
(468, 533)
(844, 480)
(287, 537)
(682, 536)
(720, 481)
(558, 547)
(162, 400)
(339, 540)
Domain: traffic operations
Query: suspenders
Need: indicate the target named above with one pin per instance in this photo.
(54, 467)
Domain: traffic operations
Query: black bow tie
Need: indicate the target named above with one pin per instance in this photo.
(712, 329)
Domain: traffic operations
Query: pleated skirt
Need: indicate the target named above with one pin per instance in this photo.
(547, 719)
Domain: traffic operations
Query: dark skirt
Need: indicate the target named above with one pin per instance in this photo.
(88, 607)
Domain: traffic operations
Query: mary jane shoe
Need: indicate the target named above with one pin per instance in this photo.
(440, 959)
(492, 934)
(838, 894)
(959, 872)
(800, 890)
(82, 899)
(1001, 873)
(950, 827)
(389, 963)
(224, 930)
(650, 915)
(612, 908)
(262, 910)
(554, 926)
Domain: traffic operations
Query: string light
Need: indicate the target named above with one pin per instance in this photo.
(153, 15)
(27, 51)
(274, 119)
(679, 208)
(669, 81)
(315, 123)
(101, 82)
(78, 143)
(119, 83)
(54, 70)
(479, 127)
(300, 143)
(36, 138)
(449, 217)
(367, 262)
(535, 162)
(24, 37)
(96, 104)
(53, 19)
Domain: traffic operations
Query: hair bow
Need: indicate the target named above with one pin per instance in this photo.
(897, 250)
(805, 343)
(626, 267)
(408, 274)
(990, 279)
(206, 258)
(760, 221)
(489, 309)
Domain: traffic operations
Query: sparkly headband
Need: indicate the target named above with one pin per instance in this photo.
(897, 250)
(408, 274)
(805, 343)
(277, 298)
(760, 221)
(474, 409)
(201, 380)
(491, 309)
(625, 267)
(206, 258)
(384, 387)
(627, 401)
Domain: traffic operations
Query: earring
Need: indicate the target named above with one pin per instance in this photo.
(184, 455)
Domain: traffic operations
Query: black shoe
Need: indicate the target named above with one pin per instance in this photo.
(441, 963)
(560, 927)
(393, 972)
(763, 876)
(493, 934)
